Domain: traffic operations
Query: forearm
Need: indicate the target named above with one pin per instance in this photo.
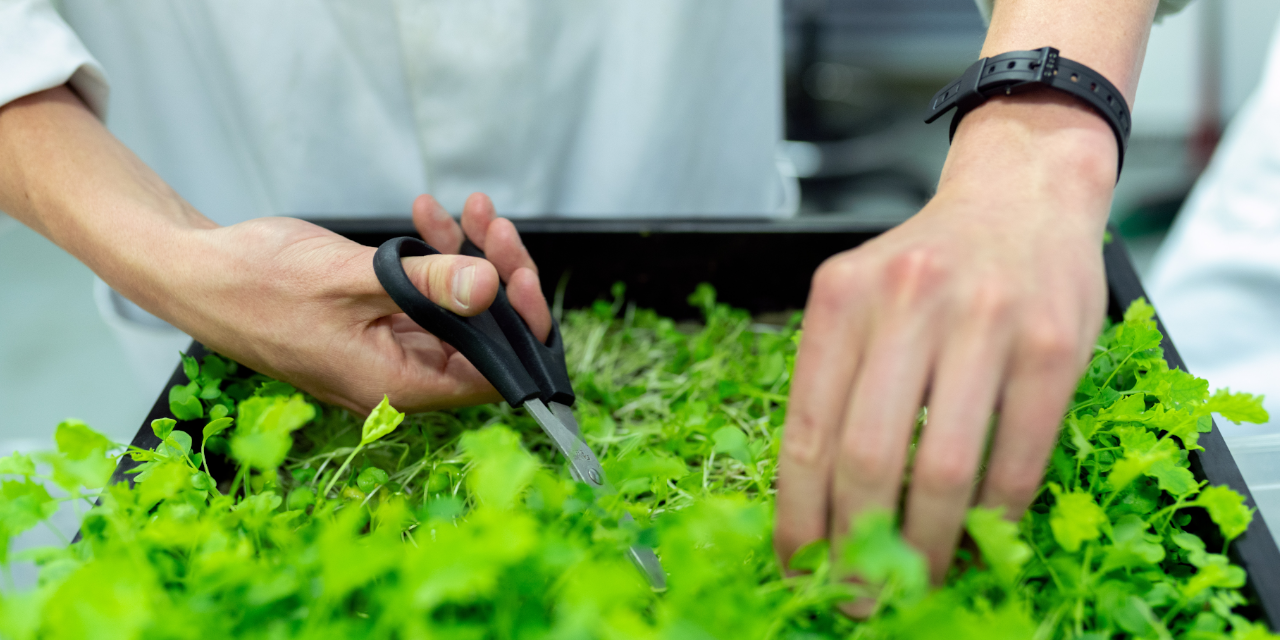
(1054, 145)
(64, 175)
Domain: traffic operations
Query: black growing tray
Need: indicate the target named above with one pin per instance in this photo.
(764, 266)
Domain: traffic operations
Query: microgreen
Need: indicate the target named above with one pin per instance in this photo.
(467, 523)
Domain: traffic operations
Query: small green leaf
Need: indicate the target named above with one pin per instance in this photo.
(262, 437)
(1227, 509)
(998, 540)
(371, 478)
(162, 427)
(218, 412)
(444, 508)
(211, 391)
(300, 498)
(381, 421)
(78, 441)
(183, 404)
(214, 368)
(502, 468)
(23, 505)
(180, 441)
(1075, 518)
(810, 556)
(17, 464)
(877, 553)
(163, 481)
(190, 367)
(201, 481)
(261, 449)
(733, 442)
(1238, 407)
(214, 427)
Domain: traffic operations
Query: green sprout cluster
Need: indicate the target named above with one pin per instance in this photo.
(293, 519)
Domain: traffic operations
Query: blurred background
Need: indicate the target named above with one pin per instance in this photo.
(858, 75)
(860, 72)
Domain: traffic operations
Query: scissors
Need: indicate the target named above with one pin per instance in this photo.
(527, 373)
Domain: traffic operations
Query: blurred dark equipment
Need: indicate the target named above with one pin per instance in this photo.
(859, 74)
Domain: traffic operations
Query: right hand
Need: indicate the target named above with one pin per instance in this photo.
(302, 304)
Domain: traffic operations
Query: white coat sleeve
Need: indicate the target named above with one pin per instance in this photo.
(1166, 7)
(39, 51)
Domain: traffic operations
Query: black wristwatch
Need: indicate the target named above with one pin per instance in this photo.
(1018, 71)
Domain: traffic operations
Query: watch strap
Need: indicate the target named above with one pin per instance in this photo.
(1018, 71)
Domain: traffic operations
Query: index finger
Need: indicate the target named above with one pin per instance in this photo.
(826, 363)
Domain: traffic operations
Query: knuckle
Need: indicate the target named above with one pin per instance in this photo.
(833, 282)
(944, 474)
(915, 271)
(1014, 485)
(802, 438)
(868, 463)
(991, 303)
(1049, 344)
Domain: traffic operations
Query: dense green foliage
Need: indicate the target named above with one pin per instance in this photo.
(465, 524)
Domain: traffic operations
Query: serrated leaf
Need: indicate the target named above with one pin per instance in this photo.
(998, 540)
(23, 505)
(17, 464)
(1238, 407)
(262, 438)
(876, 552)
(77, 441)
(502, 467)
(1075, 518)
(1227, 509)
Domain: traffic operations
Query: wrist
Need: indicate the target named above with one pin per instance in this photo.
(1041, 145)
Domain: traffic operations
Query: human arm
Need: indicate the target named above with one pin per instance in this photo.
(988, 300)
(282, 296)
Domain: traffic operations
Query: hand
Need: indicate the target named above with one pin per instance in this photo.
(302, 304)
(987, 301)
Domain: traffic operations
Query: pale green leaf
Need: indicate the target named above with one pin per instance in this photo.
(381, 421)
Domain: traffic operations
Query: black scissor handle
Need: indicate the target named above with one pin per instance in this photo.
(478, 337)
(545, 362)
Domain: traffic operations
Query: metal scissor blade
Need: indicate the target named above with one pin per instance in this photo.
(647, 561)
(582, 461)
(562, 428)
(565, 414)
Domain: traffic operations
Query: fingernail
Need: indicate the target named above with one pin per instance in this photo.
(462, 281)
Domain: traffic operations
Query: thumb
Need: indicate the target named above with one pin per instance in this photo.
(461, 284)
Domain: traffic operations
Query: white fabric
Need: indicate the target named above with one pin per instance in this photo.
(1165, 8)
(38, 52)
(1216, 280)
(353, 107)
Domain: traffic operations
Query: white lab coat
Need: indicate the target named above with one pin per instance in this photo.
(1216, 280)
(326, 108)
